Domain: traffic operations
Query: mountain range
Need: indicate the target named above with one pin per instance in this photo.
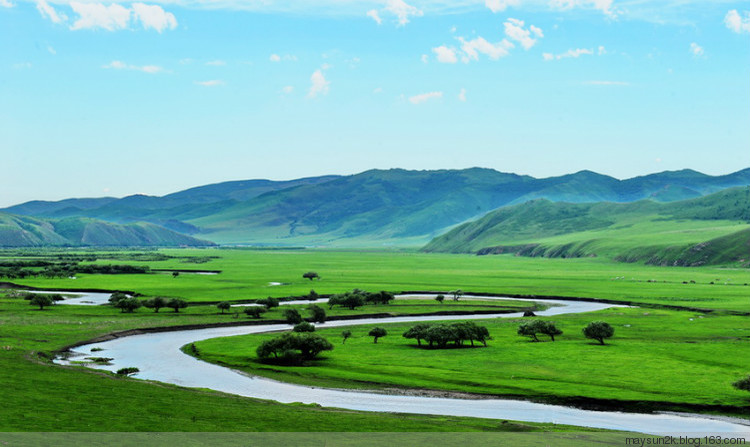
(372, 208)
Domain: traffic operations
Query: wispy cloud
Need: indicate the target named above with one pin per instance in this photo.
(424, 97)
(48, 12)
(445, 55)
(112, 17)
(373, 14)
(216, 63)
(319, 85)
(500, 5)
(6, 4)
(119, 65)
(21, 66)
(277, 58)
(527, 37)
(697, 50)
(573, 53)
(608, 83)
(398, 9)
(462, 95)
(211, 83)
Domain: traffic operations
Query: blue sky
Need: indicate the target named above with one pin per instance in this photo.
(152, 97)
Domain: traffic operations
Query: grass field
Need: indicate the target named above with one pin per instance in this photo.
(247, 274)
(655, 356)
(53, 398)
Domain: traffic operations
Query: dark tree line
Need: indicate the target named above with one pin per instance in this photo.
(440, 335)
(358, 298)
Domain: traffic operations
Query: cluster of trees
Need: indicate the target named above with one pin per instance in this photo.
(439, 335)
(128, 304)
(358, 298)
(47, 269)
(596, 330)
(293, 348)
(42, 299)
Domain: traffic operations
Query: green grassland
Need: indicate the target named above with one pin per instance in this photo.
(43, 397)
(656, 356)
(53, 398)
(246, 274)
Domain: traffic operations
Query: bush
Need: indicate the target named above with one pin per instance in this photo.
(317, 313)
(350, 300)
(742, 384)
(155, 303)
(303, 327)
(255, 311)
(41, 300)
(224, 306)
(127, 371)
(177, 304)
(440, 298)
(128, 304)
(532, 328)
(292, 316)
(598, 330)
(269, 302)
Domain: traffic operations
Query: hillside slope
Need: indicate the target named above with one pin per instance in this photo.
(706, 230)
(20, 231)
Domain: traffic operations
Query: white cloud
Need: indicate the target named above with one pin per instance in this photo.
(613, 83)
(287, 57)
(602, 50)
(287, 90)
(96, 15)
(378, 90)
(21, 66)
(444, 55)
(373, 14)
(494, 51)
(462, 95)
(515, 30)
(154, 17)
(48, 12)
(275, 58)
(735, 22)
(605, 6)
(500, 5)
(6, 4)
(573, 53)
(398, 8)
(697, 50)
(319, 84)
(51, 50)
(211, 83)
(119, 65)
(419, 99)
(216, 63)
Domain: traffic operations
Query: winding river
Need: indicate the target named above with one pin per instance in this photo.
(158, 357)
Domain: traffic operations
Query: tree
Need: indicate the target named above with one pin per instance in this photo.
(177, 304)
(598, 330)
(381, 297)
(457, 294)
(530, 329)
(346, 334)
(175, 274)
(549, 328)
(417, 332)
(440, 298)
(377, 332)
(303, 327)
(292, 316)
(255, 311)
(317, 313)
(115, 297)
(293, 347)
(351, 300)
(313, 295)
(742, 384)
(269, 302)
(155, 303)
(440, 335)
(311, 275)
(224, 305)
(128, 304)
(41, 300)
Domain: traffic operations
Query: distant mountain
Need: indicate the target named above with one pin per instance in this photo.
(371, 208)
(20, 231)
(705, 230)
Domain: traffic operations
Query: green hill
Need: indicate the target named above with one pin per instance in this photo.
(20, 231)
(373, 208)
(708, 230)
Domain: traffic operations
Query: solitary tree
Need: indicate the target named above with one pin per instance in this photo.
(313, 295)
(292, 316)
(175, 274)
(317, 313)
(303, 327)
(155, 303)
(598, 330)
(457, 294)
(224, 305)
(311, 275)
(377, 332)
(549, 328)
(742, 384)
(417, 332)
(346, 334)
(177, 304)
(255, 311)
(440, 298)
(128, 304)
(530, 329)
(41, 300)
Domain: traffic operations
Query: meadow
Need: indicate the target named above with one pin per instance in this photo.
(53, 398)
